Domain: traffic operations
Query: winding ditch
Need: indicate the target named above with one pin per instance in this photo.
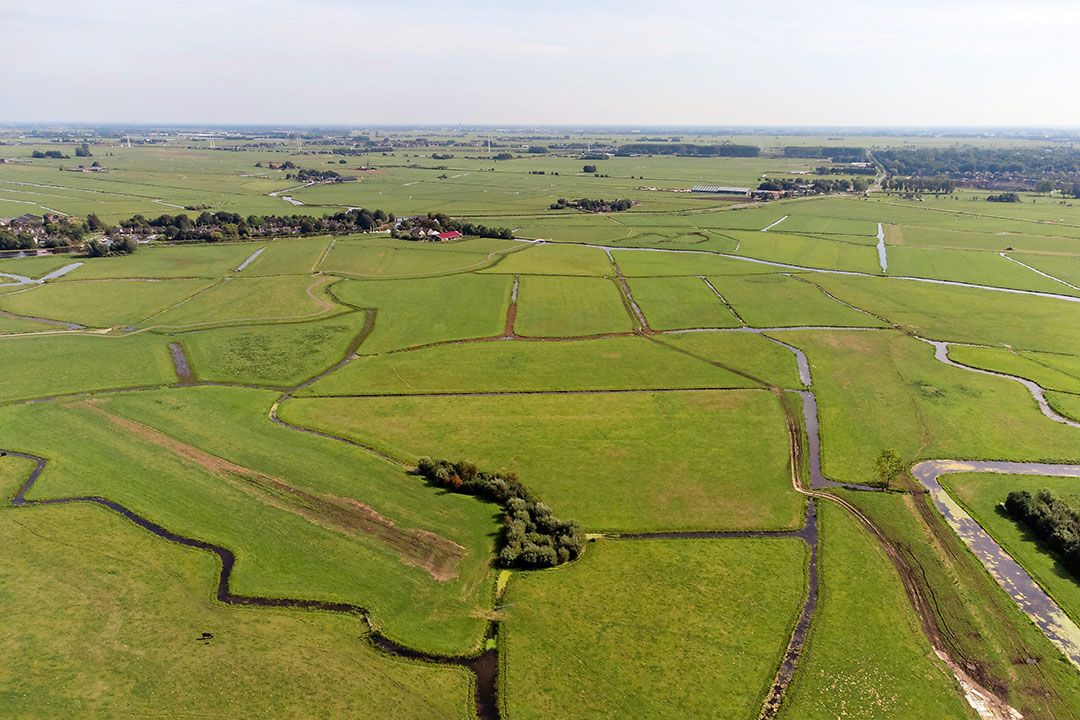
(484, 666)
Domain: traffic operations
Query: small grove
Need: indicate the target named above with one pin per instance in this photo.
(587, 205)
(532, 537)
(1052, 520)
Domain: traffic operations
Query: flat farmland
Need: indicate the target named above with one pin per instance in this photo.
(672, 303)
(645, 481)
(578, 642)
(570, 306)
(104, 303)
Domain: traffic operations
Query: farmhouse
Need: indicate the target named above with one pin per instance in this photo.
(452, 235)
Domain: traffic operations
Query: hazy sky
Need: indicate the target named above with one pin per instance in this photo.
(822, 62)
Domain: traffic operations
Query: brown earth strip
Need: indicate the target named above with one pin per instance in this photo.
(437, 555)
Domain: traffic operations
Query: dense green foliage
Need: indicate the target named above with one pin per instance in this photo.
(1050, 518)
(587, 205)
(532, 536)
(970, 161)
(689, 149)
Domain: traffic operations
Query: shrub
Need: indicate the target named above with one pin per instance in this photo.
(532, 536)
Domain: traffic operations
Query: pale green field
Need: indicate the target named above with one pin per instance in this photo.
(570, 306)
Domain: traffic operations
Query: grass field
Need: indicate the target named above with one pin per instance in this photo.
(427, 310)
(671, 303)
(238, 301)
(549, 259)
(361, 259)
(904, 399)
(113, 630)
(980, 268)
(783, 300)
(306, 517)
(58, 364)
(570, 306)
(638, 263)
(1052, 372)
(743, 352)
(652, 629)
(275, 354)
(292, 256)
(628, 462)
(965, 314)
(179, 261)
(624, 363)
(112, 303)
(866, 656)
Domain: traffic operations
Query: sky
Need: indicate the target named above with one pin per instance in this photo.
(559, 62)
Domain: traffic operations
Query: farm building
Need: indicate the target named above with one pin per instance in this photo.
(452, 235)
(720, 190)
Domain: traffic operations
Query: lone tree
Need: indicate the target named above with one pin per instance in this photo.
(588, 168)
(889, 466)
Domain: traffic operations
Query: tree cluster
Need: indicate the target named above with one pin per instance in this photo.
(532, 536)
(50, 154)
(594, 206)
(836, 154)
(958, 162)
(845, 170)
(688, 149)
(83, 151)
(320, 176)
(819, 186)
(219, 226)
(1005, 197)
(410, 228)
(101, 248)
(1051, 519)
(936, 184)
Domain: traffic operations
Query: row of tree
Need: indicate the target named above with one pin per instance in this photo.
(819, 186)
(688, 149)
(836, 154)
(532, 537)
(959, 162)
(595, 206)
(939, 184)
(1051, 519)
(223, 226)
(1005, 197)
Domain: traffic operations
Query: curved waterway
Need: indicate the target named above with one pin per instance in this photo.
(941, 354)
(483, 666)
(1058, 627)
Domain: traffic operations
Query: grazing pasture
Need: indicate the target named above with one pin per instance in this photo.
(552, 259)
(115, 628)
(428, 310)
(866, 656)
(569, 307)
(689, 460)
(623, 363)
(671, 303)
(105, 303)
(580, 640)
(903, 398)
(306, 517)
(785, 300)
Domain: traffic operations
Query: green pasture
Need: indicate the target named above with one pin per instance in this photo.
(280, 354)
(672, 303)
(421, 311)
(866, 656)
(36, 366)
(551, 259)
(784, 300)
(653, 629)
(570, 306)
(170, 261)
(113, 630)
(965, 314)
(1051, 371)
(902, 398)
(807, 251)
(742, 352)
(612, 461)
(105, 303)
(643, 263)
(983, 495)
(291, 256)
(1066, 404)
(242, 300)
(621, 363)
(979, 268)
(359, 259)
(296, 509)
